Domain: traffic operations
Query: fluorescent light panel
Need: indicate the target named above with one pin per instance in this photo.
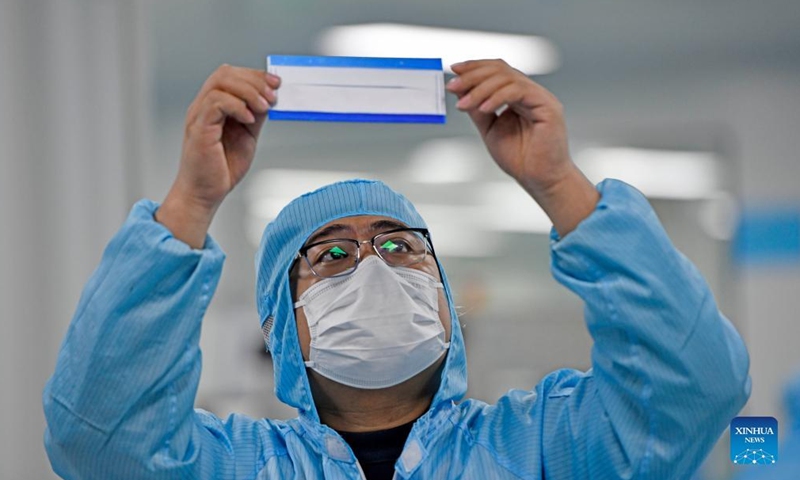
(665, 174)
(533, 55)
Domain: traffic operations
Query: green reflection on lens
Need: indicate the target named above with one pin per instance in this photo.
(338, 251)
(389, 246)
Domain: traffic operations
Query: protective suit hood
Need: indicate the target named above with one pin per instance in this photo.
(282, 239)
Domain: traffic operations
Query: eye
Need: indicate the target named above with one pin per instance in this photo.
(395, 245)
(333, 254)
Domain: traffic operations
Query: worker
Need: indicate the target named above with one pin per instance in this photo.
(359, 318)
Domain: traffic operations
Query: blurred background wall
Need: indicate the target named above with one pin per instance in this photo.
(92, 98)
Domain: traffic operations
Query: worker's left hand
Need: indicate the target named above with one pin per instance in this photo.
(529, 139)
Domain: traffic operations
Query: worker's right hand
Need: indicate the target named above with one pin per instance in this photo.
(222, 128)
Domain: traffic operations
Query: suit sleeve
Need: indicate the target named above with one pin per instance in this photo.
(669, 371)
(120, 403)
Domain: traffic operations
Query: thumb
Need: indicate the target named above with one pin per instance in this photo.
(255, 127)
(483, 121)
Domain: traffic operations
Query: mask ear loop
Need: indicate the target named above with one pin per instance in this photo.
(439, 268)
(447, 295)
(266, 329)
(300, 304)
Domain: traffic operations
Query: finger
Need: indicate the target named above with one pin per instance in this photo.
(463, 83)
(217, 106)
(483, 121)
(255, 127)
(482, 91)
(463, 67)
(510, 94)
(257, 77)
(273, 80)
(252, 86)
(257, 97)
(531, 103)
(520, 97)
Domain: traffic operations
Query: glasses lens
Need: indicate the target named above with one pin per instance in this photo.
(401, 248)
(333, 258)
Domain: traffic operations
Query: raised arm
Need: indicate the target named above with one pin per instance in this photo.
(669, 371)
(222, 128)
(528, 140)
(120, 403)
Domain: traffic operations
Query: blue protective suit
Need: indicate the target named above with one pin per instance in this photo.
(669, 371)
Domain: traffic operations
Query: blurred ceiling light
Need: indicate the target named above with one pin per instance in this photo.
(509, 208)
(531, 54)
(447, 160)
(669, 174)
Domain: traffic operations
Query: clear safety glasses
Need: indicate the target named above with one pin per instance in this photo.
(338, 257)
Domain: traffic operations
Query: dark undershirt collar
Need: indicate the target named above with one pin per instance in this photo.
(378, 451)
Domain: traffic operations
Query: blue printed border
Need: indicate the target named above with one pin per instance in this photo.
(355, 117)
(355, 62)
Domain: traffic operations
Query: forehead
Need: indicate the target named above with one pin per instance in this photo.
(357, 225)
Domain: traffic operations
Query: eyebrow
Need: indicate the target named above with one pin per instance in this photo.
(328, 231)
(337, 228)
(385, 225)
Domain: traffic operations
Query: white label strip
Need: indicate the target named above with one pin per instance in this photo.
(360, 90)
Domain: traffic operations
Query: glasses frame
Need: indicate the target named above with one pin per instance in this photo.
(302, 253)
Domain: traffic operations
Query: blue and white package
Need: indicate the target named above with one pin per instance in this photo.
(358, 89)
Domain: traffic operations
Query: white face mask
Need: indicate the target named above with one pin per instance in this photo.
(376, 327)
